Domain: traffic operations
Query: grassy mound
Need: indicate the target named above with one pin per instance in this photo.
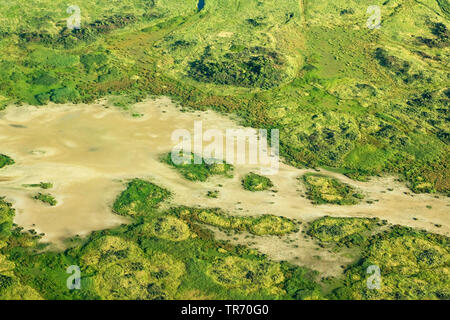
(246, 275)
(242, 67)
(262, 225)
(200, 172)
(11, 288)
(124, 271)
(168, 228)
(139, 198)
(322, 189)
(413, 265)
(343, 231)
(255, 182)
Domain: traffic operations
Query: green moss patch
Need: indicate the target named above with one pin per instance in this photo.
(6, 219)
(242, 67)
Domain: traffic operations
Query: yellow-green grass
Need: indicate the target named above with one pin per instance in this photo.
(255, 182)
(257, 225)
(322, 189)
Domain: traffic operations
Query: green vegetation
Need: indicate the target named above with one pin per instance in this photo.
(6, 220)
(156, 256)
(242, 67)
(341, 94)
(46, 198)
(5, 161)
(42, 185)
(168, 228)
(247, 275)
(123, 271)
(261, 225)
(169, 255)
(202, 171)
(413, 264)
(255, 182)
(343, 231)
(322, 189)
(214, 194)
(139, 197)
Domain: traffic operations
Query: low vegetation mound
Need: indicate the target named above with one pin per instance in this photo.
(322, 189)
(413, 265)
(139, 198)
(201, 171)
(255, 182)
(168, 228)
(241, 66)
(246, 275)
(343, 231)
(262, 225)
(124, 271)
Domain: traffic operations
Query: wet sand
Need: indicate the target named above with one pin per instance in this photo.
(89, 151)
